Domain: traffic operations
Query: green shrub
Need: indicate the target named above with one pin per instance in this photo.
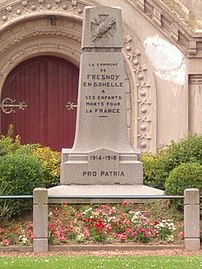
(149, 161)
(8, 144)
(158, 167)
(50, 161)
(27, 149)
(187, 175)
(186, 150)
(23, 168)
(19, 175)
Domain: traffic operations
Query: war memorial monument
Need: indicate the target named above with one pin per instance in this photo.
(102, 161)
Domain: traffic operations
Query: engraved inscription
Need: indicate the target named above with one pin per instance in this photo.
(103, 173)
(104, 87)
(103, 157)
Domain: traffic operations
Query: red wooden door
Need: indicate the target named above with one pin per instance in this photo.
(45, 84)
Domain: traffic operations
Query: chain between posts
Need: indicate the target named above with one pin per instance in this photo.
(97, 197)
(127, 197)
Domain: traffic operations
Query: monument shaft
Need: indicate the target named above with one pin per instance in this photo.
(101, 153)
(102, 99)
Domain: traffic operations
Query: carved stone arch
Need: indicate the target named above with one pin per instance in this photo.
(142, 94)
(13, 11)
(34, 37)
(27, 31)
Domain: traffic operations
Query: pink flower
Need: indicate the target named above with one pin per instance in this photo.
(62, 237)
(5, 242)
(86, 233)
(133, 234)
(122, 237)
(181, 235)
(146, 234)
(79, 215)
(128, 230)
(139, 230)
(30, 235)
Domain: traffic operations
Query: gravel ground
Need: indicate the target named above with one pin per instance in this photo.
(106, 253)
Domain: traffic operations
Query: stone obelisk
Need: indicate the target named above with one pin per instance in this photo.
(101, 154)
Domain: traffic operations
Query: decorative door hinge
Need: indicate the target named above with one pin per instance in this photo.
(70, 106)
(8, 105)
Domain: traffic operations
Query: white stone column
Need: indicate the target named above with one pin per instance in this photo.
(40, 220)
(192, 219)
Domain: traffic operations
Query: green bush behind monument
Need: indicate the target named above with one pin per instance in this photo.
(23, 168)
(19, 175)
(158, 167)
(186, 175)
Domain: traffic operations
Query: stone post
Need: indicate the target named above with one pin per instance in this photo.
(192, 219)
(40, 220)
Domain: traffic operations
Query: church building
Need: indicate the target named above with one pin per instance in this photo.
(40, 48)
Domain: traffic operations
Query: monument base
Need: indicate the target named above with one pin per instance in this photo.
(101, 190)
(100, 167)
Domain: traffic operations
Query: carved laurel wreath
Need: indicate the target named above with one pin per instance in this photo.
(103, 27)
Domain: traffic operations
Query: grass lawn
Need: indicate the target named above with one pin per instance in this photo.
(88, 262)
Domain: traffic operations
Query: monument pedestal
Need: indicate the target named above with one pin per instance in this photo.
(108, 191)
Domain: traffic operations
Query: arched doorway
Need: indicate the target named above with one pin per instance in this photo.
(34, 99)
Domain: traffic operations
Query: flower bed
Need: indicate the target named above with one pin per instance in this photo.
(17, 234)
(96, 224)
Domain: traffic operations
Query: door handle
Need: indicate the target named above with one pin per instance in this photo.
(70, 106)
(8, 105)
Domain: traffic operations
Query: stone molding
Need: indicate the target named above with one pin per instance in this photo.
(11, 11)
(195, 79)
(177, 28)
(144, 95)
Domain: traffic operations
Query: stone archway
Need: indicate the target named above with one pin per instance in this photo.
(36, 37)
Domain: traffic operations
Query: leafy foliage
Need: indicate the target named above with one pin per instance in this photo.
(187, 175)
(8, 144)
(23, 168)
(19, 175)
(157, 167)
(50, 161)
